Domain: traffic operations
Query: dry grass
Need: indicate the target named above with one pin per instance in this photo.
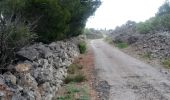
(82, 90)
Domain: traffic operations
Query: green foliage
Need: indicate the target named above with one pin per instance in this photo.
(93, 34)
(161, 22)
(158, 23)
(75, 78)
(72, 90)
(144, 27)
(13, 36)
(166, 63)
(52, 19)
(108, 39)
(73, 68)
(75, 74)
(147, 55)
(82, 47)
(121, 45)
(164, 9)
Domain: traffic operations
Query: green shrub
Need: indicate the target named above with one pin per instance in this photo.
(13, 36)
(144, 27)
(166, 63)
(73, 68)
(72, 90)
(82, 47)
(53, 19)
(147, 55)
(79, 77)
(121, 45)
(108, 39)
(75, 78)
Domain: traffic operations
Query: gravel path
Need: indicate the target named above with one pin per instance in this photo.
(123, 77)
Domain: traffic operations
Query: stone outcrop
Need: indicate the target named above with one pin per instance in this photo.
(40, 71)
(156, 44)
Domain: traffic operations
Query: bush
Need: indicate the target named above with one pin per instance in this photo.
(147, 55)
(121, 45)
(166, 63)
(144, 27)
(73, 68)
(74, 92)
(82, 47)
(75, 78)
(108, 39)
(93, 34)
(55, 19)
(75, 74)
(13, 36)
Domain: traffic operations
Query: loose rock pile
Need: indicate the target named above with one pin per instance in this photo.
(156, 44)
(40, 72)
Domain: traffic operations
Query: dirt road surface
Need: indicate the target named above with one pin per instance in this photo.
(128, 78)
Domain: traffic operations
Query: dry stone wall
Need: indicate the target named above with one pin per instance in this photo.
(40, 71)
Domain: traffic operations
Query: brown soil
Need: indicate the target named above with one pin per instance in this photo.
(87, 61)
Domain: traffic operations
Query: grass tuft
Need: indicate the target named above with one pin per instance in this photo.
(73, 68)
(82, 47)
(166, 63)
(121, 45)
(75, 78)
(74, 92)
(147, 55)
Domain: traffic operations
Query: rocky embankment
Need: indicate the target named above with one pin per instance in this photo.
(39, 72)
(156, 45)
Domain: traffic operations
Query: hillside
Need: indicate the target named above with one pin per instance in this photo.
(150, 38)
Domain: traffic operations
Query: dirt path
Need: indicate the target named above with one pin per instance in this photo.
(128, 78)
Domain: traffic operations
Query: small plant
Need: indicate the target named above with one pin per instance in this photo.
(82, 47)
(73, 68)
(108, 39)
(79, 77)
(121, 45)
(166, 63)
(75, 78)
(74, 92)
(147, 55)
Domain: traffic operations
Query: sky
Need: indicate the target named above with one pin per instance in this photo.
(114, 13)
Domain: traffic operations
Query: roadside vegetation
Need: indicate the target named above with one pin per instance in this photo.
(73, 88)
(82, 47)
(93, 34)
(161, 21)
(75, 74)
(147, 56)
(149, 38)
(121, 45)
(23, 22)
(77, 85)
(166, 63)
(74, 92)
(108, 40)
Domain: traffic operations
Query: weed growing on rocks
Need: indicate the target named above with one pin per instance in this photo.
(75, 74)
(166, 63)
(121, 45)
(82, 47)
(73, 92)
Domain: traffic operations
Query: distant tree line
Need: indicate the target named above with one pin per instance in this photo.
(93, 33)
(159, 23)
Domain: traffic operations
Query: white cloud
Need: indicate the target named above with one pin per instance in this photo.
(116, 12)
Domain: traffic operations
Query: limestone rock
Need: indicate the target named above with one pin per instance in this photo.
(23, 67)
